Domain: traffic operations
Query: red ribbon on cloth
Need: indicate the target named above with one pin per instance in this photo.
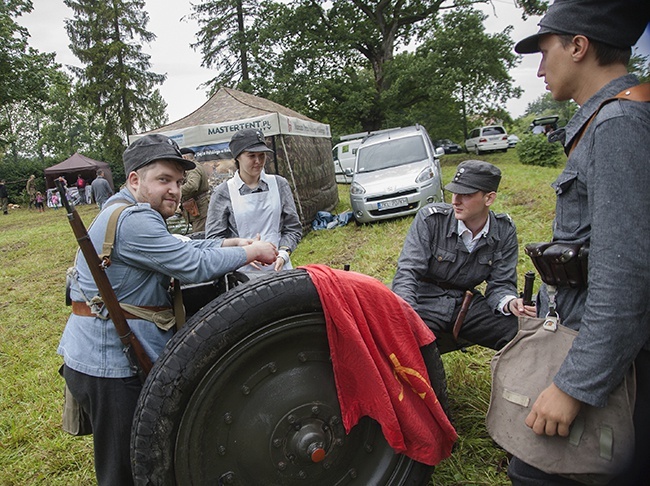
(375, 339)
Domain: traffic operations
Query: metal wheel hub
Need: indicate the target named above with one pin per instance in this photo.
(306, 436)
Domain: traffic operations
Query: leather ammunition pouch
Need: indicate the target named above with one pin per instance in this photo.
(191, 207)
(560, 264)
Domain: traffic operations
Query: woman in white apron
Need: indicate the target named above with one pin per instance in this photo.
(254, 204)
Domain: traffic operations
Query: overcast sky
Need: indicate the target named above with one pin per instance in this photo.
(171, 52)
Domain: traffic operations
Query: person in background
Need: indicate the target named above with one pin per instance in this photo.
(30, 188)
(255, 204)
(40, 202)
(144, 258)
(451, 249)
(100, 189)
(602, 202)
(195, 193)
(81, 187)
(4, 197)
(55, 200)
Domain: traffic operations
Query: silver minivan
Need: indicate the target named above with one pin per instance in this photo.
(396, 172)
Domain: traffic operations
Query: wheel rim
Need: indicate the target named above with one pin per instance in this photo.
(267, 413)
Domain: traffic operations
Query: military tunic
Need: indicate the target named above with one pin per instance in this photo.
(197, 187)
(435, 268)
(603, 200)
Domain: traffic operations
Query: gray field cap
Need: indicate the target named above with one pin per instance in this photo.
(618, 23)
(248, 140)
(473, 176)
(151, 148)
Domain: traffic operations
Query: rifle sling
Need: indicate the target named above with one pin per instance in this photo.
(640, 92)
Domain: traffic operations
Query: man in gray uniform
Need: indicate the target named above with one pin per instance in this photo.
(452, 248)
(602, 201)
(100, 189)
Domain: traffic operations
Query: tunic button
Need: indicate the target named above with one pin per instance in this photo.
(439, 258)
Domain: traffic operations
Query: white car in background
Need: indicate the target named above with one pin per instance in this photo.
(512, 140)
(487, 139)
(395, 174)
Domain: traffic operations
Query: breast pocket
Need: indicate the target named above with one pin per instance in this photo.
(486, 262)
(567, 211)
(443, 263)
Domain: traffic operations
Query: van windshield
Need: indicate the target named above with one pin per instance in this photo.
(391, 154)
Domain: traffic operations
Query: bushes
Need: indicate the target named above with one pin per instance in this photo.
(536, 150)
(16, 174)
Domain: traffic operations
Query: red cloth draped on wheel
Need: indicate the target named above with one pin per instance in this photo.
(374, 338)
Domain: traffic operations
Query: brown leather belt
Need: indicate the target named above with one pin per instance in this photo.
(82, 309)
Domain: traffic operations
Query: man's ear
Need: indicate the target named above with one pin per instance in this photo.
(133, 180)
(490, 197)
(579, 48)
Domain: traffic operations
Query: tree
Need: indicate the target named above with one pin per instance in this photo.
(318, 55)
(640, 65)
(24, 72)
(107, 38)
(69, 124)
(546, 105)
(224, 38)
(471, 65)
(459, 72)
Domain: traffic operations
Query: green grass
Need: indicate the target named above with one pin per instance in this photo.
(36, 248)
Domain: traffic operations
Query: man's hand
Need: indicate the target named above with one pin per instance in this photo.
(239, 241)
(553, 412)
(517, 308)
(261, 251)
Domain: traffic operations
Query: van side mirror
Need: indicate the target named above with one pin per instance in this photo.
(439, 152)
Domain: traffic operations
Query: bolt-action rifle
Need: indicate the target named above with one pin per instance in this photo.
(135, 353)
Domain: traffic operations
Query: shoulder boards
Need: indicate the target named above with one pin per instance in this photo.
(505, 216)
(436, 208)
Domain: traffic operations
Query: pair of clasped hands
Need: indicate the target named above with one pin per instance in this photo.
(258, 253)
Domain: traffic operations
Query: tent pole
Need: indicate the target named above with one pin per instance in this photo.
(293, 180)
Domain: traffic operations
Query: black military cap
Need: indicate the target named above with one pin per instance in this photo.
(618, 23)
(475, 175)
(187, 150)
(151, 148)
(248, 140)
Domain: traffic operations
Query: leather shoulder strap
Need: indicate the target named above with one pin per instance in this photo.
(111, 230)
(640, 92)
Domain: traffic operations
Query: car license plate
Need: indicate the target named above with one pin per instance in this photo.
(393, 203)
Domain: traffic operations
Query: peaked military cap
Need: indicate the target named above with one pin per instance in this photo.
(618, 23)
(151, 148)
(475, 175)
(248, 140)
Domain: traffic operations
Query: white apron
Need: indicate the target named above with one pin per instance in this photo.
(257, 213)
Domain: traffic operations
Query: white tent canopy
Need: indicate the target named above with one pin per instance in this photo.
(271, 124)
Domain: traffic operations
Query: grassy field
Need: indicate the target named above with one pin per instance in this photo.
(36, 248)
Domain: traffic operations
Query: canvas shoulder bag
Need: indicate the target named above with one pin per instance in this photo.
(601, 440)
(74, 420)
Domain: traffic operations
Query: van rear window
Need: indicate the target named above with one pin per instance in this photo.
(493, 131)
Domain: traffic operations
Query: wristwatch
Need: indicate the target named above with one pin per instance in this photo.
(285, 248)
